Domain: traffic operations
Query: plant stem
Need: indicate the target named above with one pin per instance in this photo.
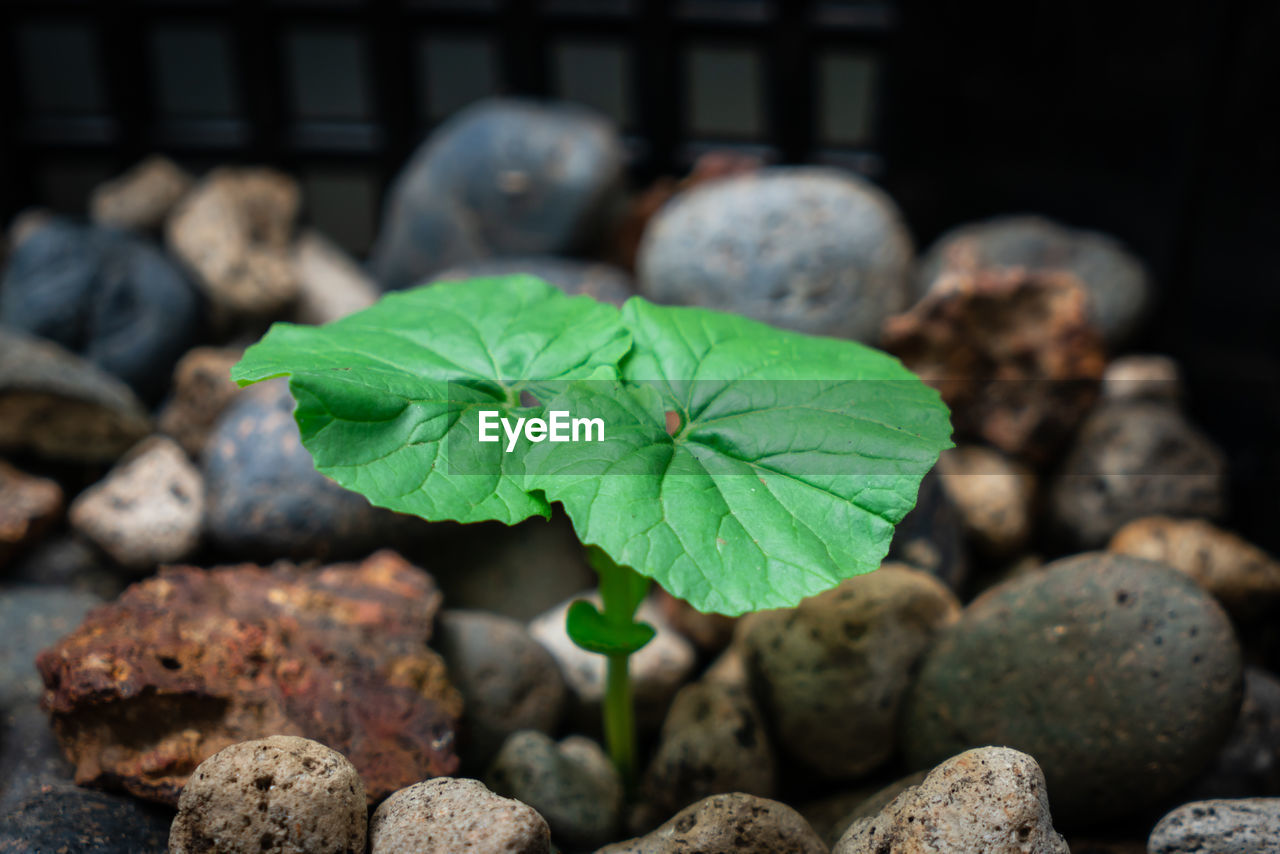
(621, 591)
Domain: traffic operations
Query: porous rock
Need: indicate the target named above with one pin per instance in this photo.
(28, 506)
(1244, 826)
(189, 662)
(813, 249)
(602, 282)
(991, 800)
(330, 282)
(280, 793)
(142, 197)
(201, 389)
(735, 823)
(1119, 675)
(1012, 352)
(994, 495)
(448, 815)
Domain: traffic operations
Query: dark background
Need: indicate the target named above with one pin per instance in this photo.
(1154, 122)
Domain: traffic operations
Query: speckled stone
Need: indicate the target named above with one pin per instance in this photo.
(1245, 826)
(603, 282)
(1120, 675)
(990, 800)
(280, 793)
(728, 824)
(814, 249)
(447, 816)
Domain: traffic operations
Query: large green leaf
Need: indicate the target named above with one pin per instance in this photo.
(743, 467)
(387, 397)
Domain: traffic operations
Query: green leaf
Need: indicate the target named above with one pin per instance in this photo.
(792, 460)
(388, 397)
(590, 630)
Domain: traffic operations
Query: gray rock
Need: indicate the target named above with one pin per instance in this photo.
(728, 824)
(509, 682)
(142, 197)
(990, 800)
(572, 784)
(813, 249)
(1249, 763)
(502, 177)
(58, 405)
(831, 674)
(603, 282)
(1245, 826)
(280, 793)
(446, 815)
(1119, 675)
(34, 618)
(66, 561)
(1131, 460)
(29, 505)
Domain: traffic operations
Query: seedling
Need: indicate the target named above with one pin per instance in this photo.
(739, 466)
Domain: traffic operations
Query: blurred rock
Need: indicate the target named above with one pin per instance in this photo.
(1151, 378)
(148, 510)
(1120, 676)
(833, 816)
(58, 405)
(330, 282)
(189, 662)
(728, 824)
(710, 633)
(27, 223)
(1120, 290)
(930, 537)
(1245, 826)
(1249, 763)
(29, 505)
(66, 561)
(995, 497)
(986, 801)
(201, 389)
(503, 177)
(1012, 352)
(34, 618)
(1131, 460)
(602, 282)
(444, 816)
(106, 295)
(234, 231)
(813, 249)
(141, 198)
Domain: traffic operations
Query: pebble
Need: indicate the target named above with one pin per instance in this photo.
(65, 560)
(29, 505)
(572, 784)
(34, 618)
(330, 282)
(505, 176)
(1120, 676)
(148, 510)
(1244, 826)
(832, 673)
(142, 197)
(814, 249)
(834, 815)
(280, 793)
(509, 682)
(735, 823)
(201, 389)
(447, 815)
(1143, 377)
(710, 633)
(931, 537)
(994, 495)
(1131, 460)
(991, 800)
(602, 282)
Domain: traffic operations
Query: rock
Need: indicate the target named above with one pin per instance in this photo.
(264, 498)
(201, 389)
(710, 633)
(330, 283)
(713, 742)
(106, 295)
(1245, 579)
(1249, 763)
(1151, 378)
(29, 505)
(503, 177)
(280, 793)
(602, 282)
(572, 784)
(930, 538)
(446, 815)
(141, 198)
(1119, 675)
(1011, 351)
(1244, 826)
(1120, 290)
(995, 497)
(66, 561)
(33, 618)
(234, 231)
(58, 405)
(1131, 460)
(728, 824)
(986, 801)
(831, 675)
(509, 682)
(148, 510)
(856, 805)
(657, 670)
(813, 249)
(26, 223)
(192, 661)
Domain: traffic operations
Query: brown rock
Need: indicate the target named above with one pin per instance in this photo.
(330, 283)
(447, 815)
(1244, 578)
(994, 495)
(710, 633)
(728, 824)
(28, 506)
(142, 197)
(1012, 352)
(187, 663)
(202, 388)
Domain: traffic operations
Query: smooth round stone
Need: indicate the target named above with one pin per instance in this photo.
(446, 815)
(813, 249)
(1119, 675)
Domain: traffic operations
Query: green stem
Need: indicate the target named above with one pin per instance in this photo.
(621, 591)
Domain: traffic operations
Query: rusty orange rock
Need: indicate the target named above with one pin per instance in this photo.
(193, 660)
